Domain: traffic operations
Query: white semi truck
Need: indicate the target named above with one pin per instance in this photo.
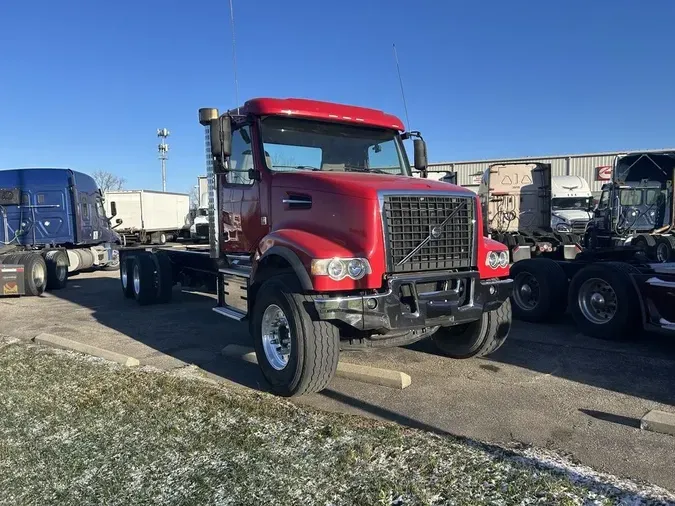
(149, 217)
(199, 228)
(571, 204)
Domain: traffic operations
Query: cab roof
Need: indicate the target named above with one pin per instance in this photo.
(315, 109)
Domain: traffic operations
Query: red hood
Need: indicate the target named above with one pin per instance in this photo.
(359, 184)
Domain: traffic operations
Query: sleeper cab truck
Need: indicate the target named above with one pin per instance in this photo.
(322, 241)
(52, 224)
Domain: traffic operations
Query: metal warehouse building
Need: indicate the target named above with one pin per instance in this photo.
(596, 168)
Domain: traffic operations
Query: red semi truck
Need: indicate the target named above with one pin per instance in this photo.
(322, 241)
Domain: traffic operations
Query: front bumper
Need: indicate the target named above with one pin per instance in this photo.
(418, 300)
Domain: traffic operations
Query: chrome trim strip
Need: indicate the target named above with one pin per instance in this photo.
(296, 201)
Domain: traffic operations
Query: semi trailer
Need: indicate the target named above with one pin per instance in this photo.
(322, 241)
(149, 217)
(52, 224)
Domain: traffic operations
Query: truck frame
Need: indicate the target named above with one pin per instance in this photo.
(322, 241)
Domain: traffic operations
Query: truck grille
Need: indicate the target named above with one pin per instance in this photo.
(409, 220)
(579, 226)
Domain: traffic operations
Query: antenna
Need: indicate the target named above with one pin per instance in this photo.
(234, 58)
(400, 81)
(163, 150)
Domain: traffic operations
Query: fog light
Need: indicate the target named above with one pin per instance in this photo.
(493, 290)
(371, 303)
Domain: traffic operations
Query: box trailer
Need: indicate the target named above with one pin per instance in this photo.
(148, 216)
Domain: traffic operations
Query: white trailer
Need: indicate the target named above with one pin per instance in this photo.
(148, 216)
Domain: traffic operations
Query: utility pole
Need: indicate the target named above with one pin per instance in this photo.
(163, 149)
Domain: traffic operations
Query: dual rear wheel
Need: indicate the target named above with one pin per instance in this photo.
(601, 297)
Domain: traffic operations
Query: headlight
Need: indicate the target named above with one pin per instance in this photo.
(497, 259)
(562, 227)
(339, 268)
(493, 259)
(504, 258)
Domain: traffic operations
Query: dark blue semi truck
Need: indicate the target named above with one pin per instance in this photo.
(52, 224)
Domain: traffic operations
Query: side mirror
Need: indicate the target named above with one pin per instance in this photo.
(118, 221)
(420, 154)
(113, 209)
(221, 137)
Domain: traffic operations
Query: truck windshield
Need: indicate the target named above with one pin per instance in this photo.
(563, 203)
(296, 144)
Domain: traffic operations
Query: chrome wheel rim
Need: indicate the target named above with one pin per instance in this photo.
(662, 253)
(61, 272)
(137, 279)
(38, 274)
(597, 301)
(526, 291)
(125, 278)
(276, 337)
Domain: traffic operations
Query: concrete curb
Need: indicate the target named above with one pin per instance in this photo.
(659, 421)
(365, 374)
(67, 344)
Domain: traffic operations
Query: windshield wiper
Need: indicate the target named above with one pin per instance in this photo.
(300, 167)
(355, 168)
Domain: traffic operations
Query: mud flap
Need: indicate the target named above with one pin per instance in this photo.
(11, 280)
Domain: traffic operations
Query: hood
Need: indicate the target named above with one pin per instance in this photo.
(359, 184)
(573, 214)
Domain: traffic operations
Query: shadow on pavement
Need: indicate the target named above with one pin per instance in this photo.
(642, 368)
(186, 329)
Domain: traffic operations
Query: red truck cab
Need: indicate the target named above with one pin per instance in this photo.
(326, 242)
(320, 238)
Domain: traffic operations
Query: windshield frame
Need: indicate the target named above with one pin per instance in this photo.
(404, 163)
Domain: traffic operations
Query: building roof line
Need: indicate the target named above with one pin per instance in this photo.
(554, 157)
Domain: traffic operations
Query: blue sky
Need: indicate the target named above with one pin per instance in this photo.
(86, 83)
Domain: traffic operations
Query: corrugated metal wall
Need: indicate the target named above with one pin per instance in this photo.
(584, 165)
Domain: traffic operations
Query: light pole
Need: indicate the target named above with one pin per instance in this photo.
(163, 149)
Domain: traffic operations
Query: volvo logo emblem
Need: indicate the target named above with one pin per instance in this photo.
(436, 232)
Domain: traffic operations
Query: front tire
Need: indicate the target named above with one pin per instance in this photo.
(297, 353)
(476, 339)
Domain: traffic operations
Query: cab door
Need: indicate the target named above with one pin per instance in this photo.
(240, 208)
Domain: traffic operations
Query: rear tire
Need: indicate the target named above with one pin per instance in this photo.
(664, 251)
(57, 269)
(539, 290)
(126, 280)
(35, 274)
(604, 302)
(476, 339)
(144, 279)
(165, 278)
(297, 353)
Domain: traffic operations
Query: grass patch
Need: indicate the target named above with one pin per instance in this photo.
(80, 431)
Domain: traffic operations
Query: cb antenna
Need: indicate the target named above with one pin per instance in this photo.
(400, 81)
(234, 58)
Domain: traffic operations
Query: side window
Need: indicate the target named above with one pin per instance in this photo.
(99, 208)
(241, 159)
(604, 200)
(84, 203)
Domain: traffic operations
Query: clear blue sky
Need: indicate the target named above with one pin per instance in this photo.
(86, 83)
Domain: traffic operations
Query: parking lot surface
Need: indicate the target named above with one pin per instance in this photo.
(548, 386)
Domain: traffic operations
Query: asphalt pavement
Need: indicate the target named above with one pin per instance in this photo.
(548, 386)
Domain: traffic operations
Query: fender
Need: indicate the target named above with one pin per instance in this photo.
(302, 247)
(293, 259)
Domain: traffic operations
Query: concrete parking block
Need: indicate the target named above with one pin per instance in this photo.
(659, 421)
(362, 373)
(67, 344)
(374, 375)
